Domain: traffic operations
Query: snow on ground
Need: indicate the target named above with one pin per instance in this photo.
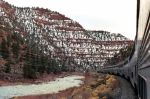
(44, 88)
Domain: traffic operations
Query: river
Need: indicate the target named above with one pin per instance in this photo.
(59, 84)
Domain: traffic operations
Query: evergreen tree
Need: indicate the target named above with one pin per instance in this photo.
(55, 65)
(15, 49)
(9, 40)
(4, 49)
(42, 67)
(7, 67)
(29, 71)
(121, 56)
(64, 67)
(49, 67)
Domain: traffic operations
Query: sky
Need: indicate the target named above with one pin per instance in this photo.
(116, 16)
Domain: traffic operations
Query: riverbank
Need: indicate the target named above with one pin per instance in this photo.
(94, 86)
(91, 86)
(41, 79)
(59, 84)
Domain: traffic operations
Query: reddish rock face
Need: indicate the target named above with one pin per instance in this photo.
(46, 32)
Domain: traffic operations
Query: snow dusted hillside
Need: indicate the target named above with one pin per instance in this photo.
(59, 37)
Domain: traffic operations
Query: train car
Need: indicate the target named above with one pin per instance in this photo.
(137, 68)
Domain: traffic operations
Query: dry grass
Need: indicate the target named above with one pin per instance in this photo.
(96, 87)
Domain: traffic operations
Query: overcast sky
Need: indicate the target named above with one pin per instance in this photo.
(117, 16)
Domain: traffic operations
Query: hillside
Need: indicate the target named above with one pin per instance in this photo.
(34, 41)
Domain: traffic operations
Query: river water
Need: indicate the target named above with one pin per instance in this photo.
(59, 84)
